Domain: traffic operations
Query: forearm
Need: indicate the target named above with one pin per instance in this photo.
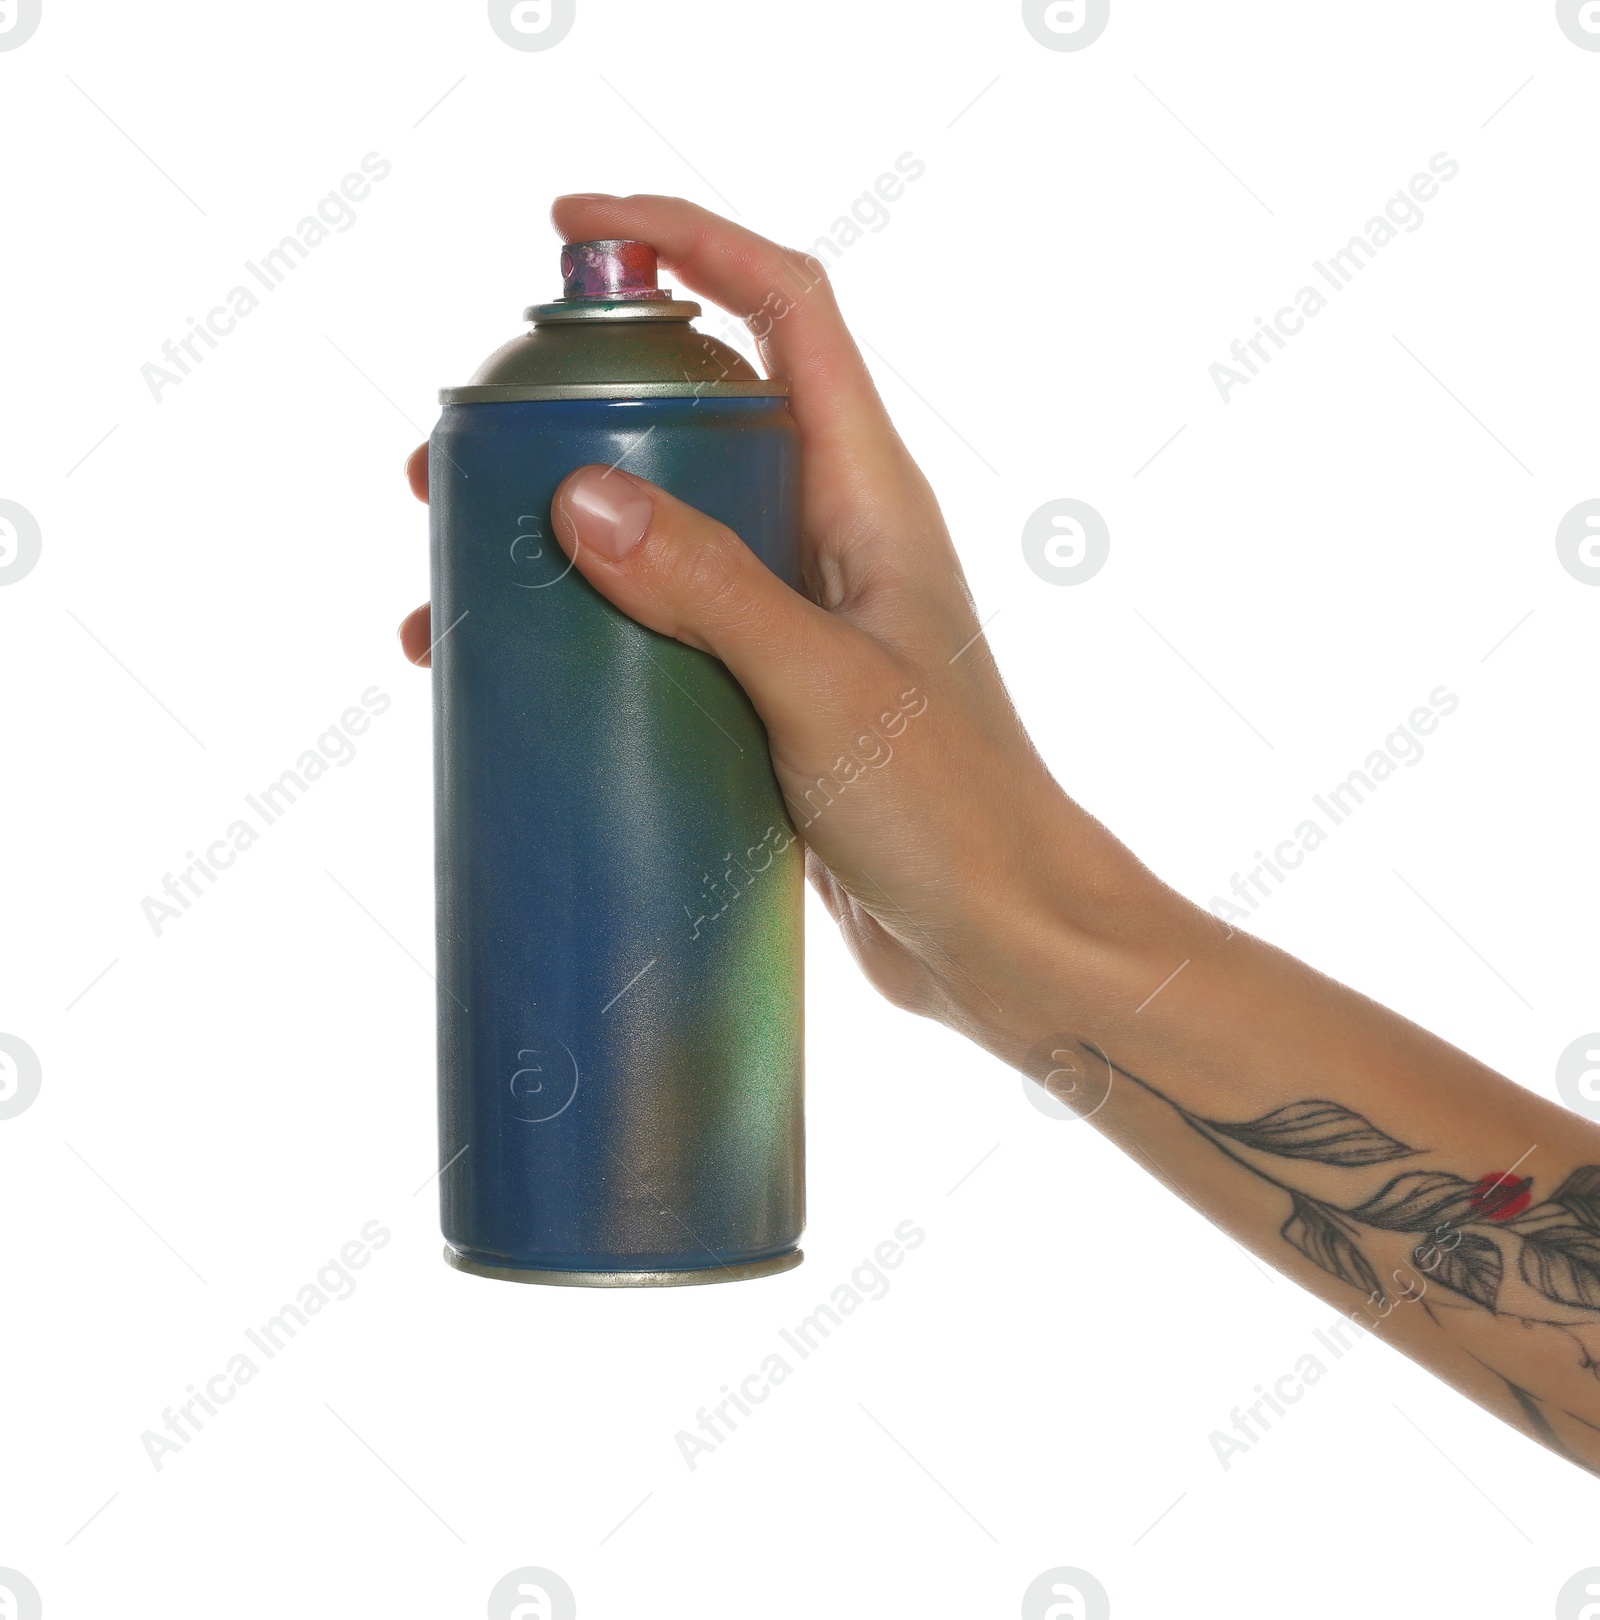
(1430, 1198)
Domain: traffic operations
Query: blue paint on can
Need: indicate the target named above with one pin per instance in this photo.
(619, 886)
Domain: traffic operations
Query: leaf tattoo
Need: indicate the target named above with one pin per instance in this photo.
(1318, 1233)
(1418, 1202)
(1558, 1239)
(1317, 1130)
(1563, 1263)
(1472, 1267)
(1579, 1195)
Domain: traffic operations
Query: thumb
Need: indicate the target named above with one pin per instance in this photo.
(687, 576)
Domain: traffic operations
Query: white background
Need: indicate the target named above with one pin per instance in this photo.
(222, 575)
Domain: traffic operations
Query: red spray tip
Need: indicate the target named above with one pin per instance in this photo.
(609, 270)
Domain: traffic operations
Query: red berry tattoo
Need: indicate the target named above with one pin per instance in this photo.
(1500, 1195)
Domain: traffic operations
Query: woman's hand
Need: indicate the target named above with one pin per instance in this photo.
(934, 833)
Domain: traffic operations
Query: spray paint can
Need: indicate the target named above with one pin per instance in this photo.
(618, 885)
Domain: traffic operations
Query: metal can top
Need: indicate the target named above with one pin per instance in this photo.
(613, 334)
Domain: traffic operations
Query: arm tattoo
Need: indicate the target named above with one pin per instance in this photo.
(1481, 1238)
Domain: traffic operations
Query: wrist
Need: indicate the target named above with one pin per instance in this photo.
(1076, 939)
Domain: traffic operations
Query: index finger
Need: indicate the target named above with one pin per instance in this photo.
(783, 295)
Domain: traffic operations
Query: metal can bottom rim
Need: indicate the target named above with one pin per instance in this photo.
(741, 1271)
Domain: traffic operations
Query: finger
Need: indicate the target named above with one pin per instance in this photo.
(416, 636)
(783, 295)
(685, 575)
(416, 629)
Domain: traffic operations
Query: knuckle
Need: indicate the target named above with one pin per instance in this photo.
(803, 268)
(705, 569)
(803, 277)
